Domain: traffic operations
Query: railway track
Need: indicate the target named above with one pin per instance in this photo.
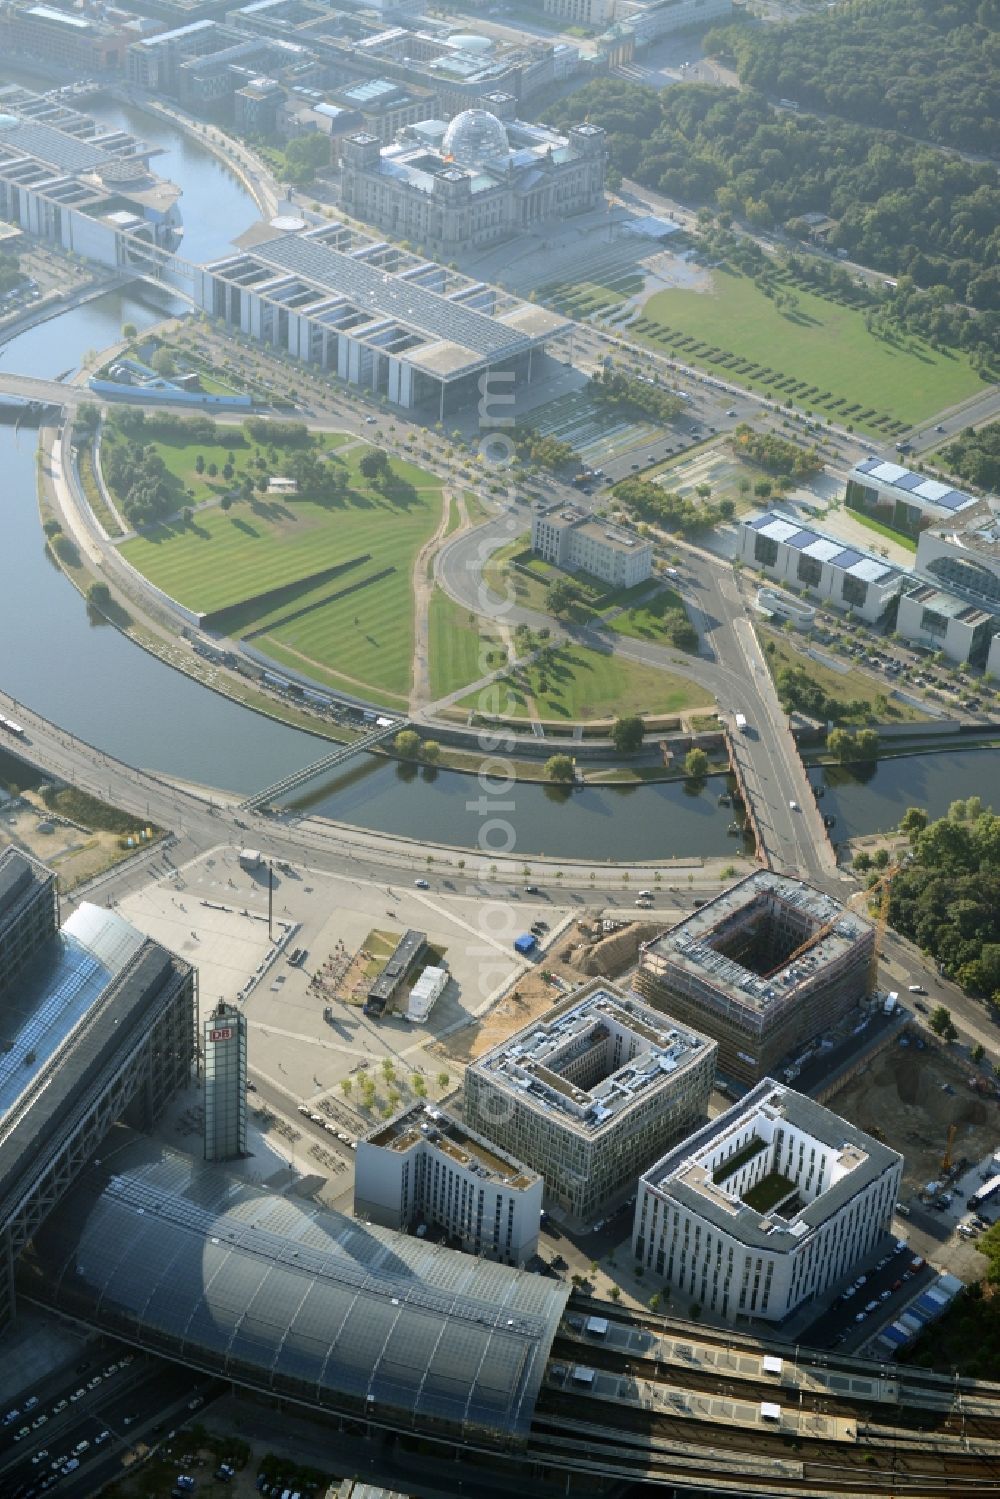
(711, 1454)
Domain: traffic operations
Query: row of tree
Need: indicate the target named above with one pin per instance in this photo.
(946, 896)
(900, 206)
(899, 64)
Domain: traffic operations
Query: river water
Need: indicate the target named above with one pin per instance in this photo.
(107, 690)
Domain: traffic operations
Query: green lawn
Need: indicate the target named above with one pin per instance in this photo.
(644, 621)
(577, 684)
(886, 531)
(353, 630)
(461, 650)
(817, 352)
(849, 686)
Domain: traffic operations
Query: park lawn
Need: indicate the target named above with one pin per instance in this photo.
(584, 684)
(361, 639)
(819, 343)
(180, 460)
(843, 686)
(644, 621)
(461, 649)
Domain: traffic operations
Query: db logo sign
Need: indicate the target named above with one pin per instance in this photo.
(225, 1034)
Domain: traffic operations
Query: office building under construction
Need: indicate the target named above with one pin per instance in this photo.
(763, 967)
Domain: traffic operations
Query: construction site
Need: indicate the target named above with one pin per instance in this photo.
(761, 968)
(918, 1099)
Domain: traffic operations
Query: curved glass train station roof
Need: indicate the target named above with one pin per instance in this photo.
(277, 1293)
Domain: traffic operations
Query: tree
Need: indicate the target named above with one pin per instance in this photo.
(431, 751)
(199, 463)
(696, 763)
(560, 596)
(862, 861)
(407, 744)
(866, 744)
(88, 417)
(129, 330)
(977, 1053)
(345, 1086)
(560, 768)
(941, 1023)
(627, 734)
(840, 744)
(99, 594)
(163, 363)
(443, 1080)
(913, 821)
(374, 463)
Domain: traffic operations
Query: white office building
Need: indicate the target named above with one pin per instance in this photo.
(375, 315)
(901, 499)
(571, 539)
(590, 1093)
(845, 576)
(424, 1169)
(767, 1207)
(82, 187)
(962, 557)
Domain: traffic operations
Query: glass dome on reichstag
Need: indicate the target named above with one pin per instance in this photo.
(475, 138)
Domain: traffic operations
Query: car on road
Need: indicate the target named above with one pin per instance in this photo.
(532, 890)
(40, 1457)
(370, 421)
(422, 884)
(793, 806)
(916, 989)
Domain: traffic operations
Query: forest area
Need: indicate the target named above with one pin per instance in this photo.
(900, 65)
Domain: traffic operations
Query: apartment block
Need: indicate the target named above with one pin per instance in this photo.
(571, 539)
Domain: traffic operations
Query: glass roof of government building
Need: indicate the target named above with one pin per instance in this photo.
(283, 1295)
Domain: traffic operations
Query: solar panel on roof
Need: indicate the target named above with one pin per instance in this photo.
(54, 147)
(383, 293)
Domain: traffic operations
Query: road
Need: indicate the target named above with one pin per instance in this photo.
(729, 665)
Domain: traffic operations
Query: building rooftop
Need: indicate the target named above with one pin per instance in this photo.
(89, 1000)
(975, 530)
(697, 943)
(864, 565)
(567, 517)
(948, 605)
(685, 1173)
(422, 1124)
(295, 1299)
(54, 147)
(409, 947)
(21, 875)
(917, 489)
(562, 1064)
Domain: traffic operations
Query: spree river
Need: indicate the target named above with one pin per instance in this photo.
(102, 687)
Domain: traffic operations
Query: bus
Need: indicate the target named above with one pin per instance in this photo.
(986, 1192)
(10, 727)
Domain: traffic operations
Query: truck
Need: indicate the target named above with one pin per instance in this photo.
(891, 1002)
(741, 723)
(250, 858)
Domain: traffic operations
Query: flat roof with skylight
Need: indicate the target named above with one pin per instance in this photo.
(916, 489)
(592, 1058)
(733, 1172)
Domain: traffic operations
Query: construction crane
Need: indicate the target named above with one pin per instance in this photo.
(946, 1158)
(883, 885)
